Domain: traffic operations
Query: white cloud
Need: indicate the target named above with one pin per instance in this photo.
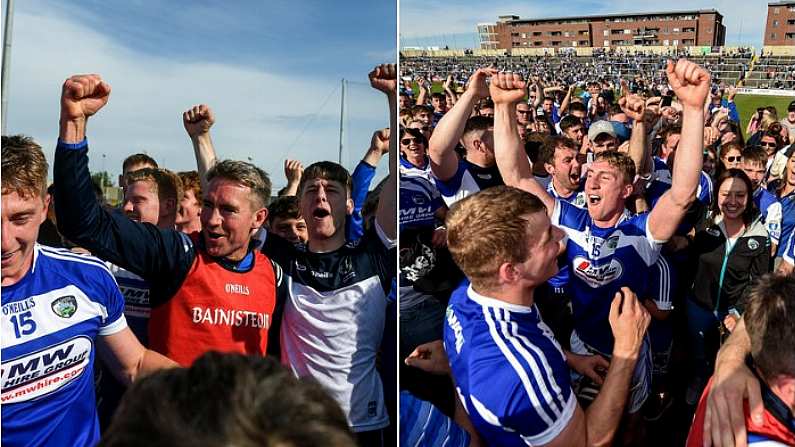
(259, 114)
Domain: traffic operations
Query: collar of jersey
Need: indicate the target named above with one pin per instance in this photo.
(493, 302)
(409, 164)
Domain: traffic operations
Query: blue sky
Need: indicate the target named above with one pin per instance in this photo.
(446, 23)
(270, 69)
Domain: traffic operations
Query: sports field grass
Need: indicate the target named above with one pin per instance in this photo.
(747, 105)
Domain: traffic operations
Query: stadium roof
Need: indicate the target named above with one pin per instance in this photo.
(509, 18)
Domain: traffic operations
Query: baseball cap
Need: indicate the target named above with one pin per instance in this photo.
(599, 128)
(791, 106)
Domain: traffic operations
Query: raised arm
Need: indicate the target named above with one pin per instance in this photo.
(422, 96)
(141, 248)
(564, 105)
(506, 90)
(449, 129)
(448, 88)
(634, 107)
(691, 85)
(293, 170)
(384, 79)
(197, 121)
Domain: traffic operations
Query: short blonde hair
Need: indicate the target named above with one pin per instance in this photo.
(167, 184)
(488, 229)
(24, 167)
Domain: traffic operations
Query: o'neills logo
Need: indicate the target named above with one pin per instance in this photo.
(239, 289)
(45, 371)
(230, 317)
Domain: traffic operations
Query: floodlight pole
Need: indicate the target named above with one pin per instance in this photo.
(7, 32)
(342, 119)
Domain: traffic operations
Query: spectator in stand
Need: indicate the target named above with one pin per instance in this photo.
(189, 213)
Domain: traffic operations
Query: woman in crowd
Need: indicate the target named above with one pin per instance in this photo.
(726, 258)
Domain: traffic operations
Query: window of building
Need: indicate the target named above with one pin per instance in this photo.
(676, 42)
(775, 23)
(627, 31)
(574, 43)
(607, 43)
(565, 34)
(537, 43)
(583, 43)
(772, 35)
(790, 36)
(555, 43)
(775, 10)
(676, 30)
(537, 33)
(666, 42)
(689, 42)
(607, 33)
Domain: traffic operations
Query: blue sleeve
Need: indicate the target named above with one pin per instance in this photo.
(362, 177)
(161, 257)
(114, 304)
(733, 114)
(789, 253)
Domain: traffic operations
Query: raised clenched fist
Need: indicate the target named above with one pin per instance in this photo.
(380, 141)
(384, 78)
(83, 96)
(507, 88)
(633, 106)
(293, 170)
(477, 82)
(689, 81)
(198, 120)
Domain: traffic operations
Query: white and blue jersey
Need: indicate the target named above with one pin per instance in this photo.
(785, 208)
(602, 261)
(510, 372)
(577, 198)
(419, 198)
(789, 251)
(467, 180)
(770, 210)
(661, 182)
(51, 320)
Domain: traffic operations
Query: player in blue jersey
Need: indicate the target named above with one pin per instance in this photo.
(456, 178)
(510, 372)
(607, 248)
(787, 266)
(57, 306)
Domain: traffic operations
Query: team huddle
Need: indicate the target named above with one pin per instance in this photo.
(575, 262)
(185, 268)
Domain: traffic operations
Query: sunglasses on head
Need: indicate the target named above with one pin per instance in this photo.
(734, 158)
(407, 141)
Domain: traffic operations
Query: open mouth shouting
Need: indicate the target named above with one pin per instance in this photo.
(321, 213)
(594, 199)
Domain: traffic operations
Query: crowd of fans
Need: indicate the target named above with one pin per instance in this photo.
(590, 258)
(239, 320)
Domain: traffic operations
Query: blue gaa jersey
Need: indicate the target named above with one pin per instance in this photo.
(51, 320)
(770, 210)
(784, 210)
(419, 198)
(510, 372)
(577, 199)
(468, 180)
(661, 182)
(137, 308)
(602, 260)
(789, 250)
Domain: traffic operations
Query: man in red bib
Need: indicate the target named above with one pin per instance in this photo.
(210, 291)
